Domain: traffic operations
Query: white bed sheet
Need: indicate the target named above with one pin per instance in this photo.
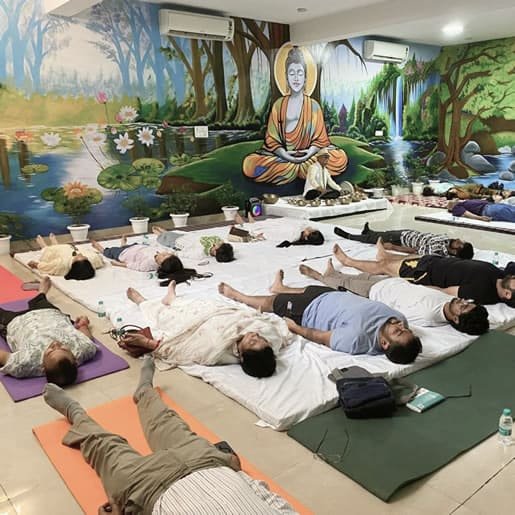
(300, 387)
(444, 216)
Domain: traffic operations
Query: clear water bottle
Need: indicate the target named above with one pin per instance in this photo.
(146, 240)
(152, 275)
(118, 326)
(495, 260)
(101, 310)
(505, 427)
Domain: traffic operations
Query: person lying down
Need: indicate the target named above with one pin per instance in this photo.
(207, 331)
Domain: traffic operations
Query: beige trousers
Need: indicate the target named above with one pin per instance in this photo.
(359, 284)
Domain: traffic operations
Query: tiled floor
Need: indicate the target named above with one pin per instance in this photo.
(479, 482)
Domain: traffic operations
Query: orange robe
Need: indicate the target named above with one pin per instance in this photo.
(265, 166)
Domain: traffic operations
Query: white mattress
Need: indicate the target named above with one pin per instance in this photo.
(300, 387)
(446, 217)
(282, 208)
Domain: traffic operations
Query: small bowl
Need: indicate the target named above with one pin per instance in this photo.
(330, 202)
(270, 198)
(301, 202)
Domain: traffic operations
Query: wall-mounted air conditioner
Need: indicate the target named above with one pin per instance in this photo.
(195, 26)
(374, 50)
(67, 8)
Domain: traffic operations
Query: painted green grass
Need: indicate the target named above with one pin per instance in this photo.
(224, 163)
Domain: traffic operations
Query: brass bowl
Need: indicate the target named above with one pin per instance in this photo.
(301, 202)
(270, 198)
(330, 202)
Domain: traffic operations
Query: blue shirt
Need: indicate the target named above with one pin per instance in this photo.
(354, 321)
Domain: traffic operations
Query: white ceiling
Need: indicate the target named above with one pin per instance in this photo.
(412, 20)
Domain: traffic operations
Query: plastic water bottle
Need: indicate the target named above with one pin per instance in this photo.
(495, 260)
(505, 427)
(101, 310)
(152, 275)
(118, 326)
(146, 241)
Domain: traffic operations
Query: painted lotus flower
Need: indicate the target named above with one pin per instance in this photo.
(75, 189)
(127, 114)
(98, 138)
(146, 136)
(90, 128)
(101, 97)
(51, 139)
(23, 135)
(124, 143)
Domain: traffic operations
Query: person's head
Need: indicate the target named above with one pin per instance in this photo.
(451, 193)
(81, 269)
(312, 236)
(451, 205)
(323, 157)
(428, 191)
(59, 364)
(398, 342)
(295, 70)
(461, 249)
(223, 252)
(506, 290)
(257, 358)
(466, 316)
(168, 264)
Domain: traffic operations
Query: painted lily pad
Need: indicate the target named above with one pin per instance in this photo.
(34, 168)
(50, 194)
(119, 177)
(148, 165)
(150, 181)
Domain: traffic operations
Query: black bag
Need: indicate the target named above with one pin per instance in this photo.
(363, 395)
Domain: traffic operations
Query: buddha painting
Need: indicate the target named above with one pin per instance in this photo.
(296, 129)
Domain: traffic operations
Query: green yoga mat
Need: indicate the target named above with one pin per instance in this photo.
(385, 454)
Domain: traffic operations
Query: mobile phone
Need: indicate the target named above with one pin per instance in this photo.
(29, 286)
(224, 447)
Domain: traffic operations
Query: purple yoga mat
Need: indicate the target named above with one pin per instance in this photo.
(104, 362)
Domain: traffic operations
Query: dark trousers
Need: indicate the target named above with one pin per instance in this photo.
(393, 237)
(114, 252)
(313, 194)
(38, 302)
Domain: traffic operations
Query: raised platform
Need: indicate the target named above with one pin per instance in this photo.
(282, 208)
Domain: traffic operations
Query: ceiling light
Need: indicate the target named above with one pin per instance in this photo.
(453, 29)
(301, 10)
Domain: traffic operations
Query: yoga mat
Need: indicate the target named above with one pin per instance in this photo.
(104, 362)
(447, 219)
(382, 455)
(121, 417)
(10, 287)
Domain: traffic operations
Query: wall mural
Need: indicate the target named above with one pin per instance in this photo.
(98, 115)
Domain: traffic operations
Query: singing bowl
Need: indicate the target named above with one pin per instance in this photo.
(270, 198)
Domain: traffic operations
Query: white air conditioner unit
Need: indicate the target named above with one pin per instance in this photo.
(374, 50)
(195, 26)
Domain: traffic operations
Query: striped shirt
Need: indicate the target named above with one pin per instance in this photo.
(220, 491)
(426, 242)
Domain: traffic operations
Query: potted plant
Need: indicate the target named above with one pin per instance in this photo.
(141, 210)
(229, 200)
(5, 244)
(180, 205)
(418, 172)
(74, 199)
(10, 225)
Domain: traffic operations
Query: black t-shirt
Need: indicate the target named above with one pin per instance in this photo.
(476, 280)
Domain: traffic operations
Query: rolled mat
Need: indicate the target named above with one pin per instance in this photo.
(384, 454)
(121, 417)
(10, 287)
(105, 362)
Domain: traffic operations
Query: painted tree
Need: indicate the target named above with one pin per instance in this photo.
(268, 37)
(477, 83)
(242, 50)
(214, 52)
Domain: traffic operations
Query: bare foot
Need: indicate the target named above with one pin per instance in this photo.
(330, 267)
(157, 230)
(53, 239)
(135, 296)
(40, 241)
(277, 285)
(45, 284)
(310, 272)
(238, 219)
(381, 251)
(96, 246)
(228, 291)
(123, 240)
(170, 294)
(340, 255)
(250, 218)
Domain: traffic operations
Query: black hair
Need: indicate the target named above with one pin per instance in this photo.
(224, 253)
(81, 270)
(509, 302)
(180, 276)
(467, 252)
(63, 373)
(450, 195)
(427, 191)
(258, 363)
(404, 353)
(313, 238)
(169, 266)
(474, 322)
(496, 185)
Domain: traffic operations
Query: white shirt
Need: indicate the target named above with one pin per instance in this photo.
(319, 178)
(421, 305)
(220, 491)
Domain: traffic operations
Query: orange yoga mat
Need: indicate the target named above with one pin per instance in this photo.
(10, 287)
(121, 417)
